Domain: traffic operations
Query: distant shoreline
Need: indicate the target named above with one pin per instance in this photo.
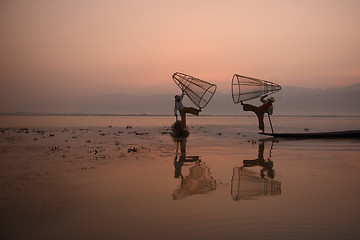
(157, 115)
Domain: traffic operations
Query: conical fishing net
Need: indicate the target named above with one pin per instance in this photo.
(246, 185)
(246, 88)
(199, 181)
(199, 91)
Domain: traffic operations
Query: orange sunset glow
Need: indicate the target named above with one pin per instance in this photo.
(119, 46)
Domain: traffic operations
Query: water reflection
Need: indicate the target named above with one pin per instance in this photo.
(198, 179)
(247, 184)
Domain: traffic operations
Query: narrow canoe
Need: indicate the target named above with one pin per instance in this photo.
(339, 134)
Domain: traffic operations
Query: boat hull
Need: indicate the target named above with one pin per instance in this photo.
(340, 134)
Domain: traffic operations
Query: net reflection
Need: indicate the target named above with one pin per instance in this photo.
(198, 180)
(247, 184)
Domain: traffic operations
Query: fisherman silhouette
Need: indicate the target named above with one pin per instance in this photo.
(183, 110)
(266, 107)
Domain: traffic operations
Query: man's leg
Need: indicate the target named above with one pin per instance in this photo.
(261, 120)
(249, 107)
(191, 110)
(258, 112)
(183, 119)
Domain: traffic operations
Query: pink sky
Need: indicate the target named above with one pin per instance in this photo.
(65, 47)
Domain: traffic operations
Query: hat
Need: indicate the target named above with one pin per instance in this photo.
(271, 99)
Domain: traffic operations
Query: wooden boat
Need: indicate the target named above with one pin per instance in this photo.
(178, 132)
(324, 135)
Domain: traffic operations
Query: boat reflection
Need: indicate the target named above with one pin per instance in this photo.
(198, 179)
(247, 184)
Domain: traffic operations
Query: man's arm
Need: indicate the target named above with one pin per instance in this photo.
(182, 94)
(262, 99)
(270, 110)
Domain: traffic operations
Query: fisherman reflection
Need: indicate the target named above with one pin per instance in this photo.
(267, 166)
(181, 158)
(198, 180)
(246, 184)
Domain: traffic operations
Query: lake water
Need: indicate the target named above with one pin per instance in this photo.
(223, 182)
(245, 124)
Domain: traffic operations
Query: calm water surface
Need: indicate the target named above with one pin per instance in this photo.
(280, 123)
(222, 182)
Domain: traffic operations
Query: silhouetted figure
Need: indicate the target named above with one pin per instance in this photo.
(183, 110)
(266, 107)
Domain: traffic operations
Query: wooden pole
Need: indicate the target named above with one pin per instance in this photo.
(271, 123)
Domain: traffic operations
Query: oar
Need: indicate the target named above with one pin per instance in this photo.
(271, 123)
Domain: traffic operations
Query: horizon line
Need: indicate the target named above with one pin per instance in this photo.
(161, 115)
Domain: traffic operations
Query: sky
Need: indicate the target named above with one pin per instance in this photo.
(66, 48)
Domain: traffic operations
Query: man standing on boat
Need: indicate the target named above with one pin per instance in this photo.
(266, 107)
(183, 110)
